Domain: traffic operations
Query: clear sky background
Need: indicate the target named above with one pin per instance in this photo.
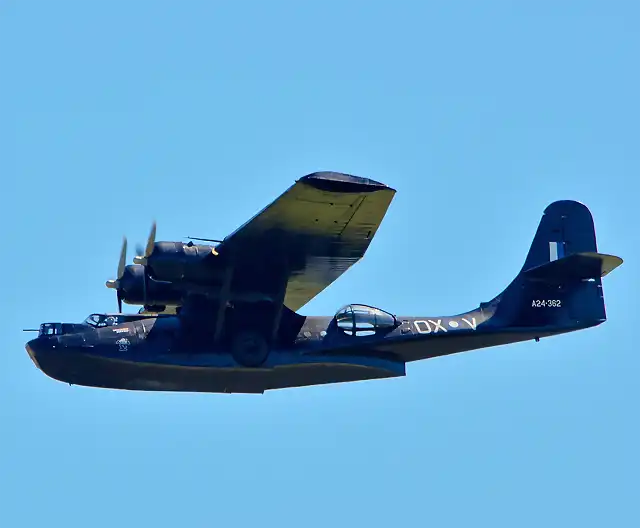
(198, 114)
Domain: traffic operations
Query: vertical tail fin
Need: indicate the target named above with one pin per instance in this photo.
(566, 228)
(560, 284)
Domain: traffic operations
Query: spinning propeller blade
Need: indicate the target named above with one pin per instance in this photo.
(115, 284)
(123, 257)
(143, 255)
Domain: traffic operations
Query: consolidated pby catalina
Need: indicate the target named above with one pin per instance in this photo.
(223, 317)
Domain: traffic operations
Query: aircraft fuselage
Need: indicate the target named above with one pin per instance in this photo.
(155, 353)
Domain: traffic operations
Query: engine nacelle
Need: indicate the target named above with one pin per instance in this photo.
(176, 262)
(133, 289)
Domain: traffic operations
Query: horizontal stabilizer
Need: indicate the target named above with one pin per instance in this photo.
(575, 267)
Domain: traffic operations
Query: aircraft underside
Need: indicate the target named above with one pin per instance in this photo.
(219, 372)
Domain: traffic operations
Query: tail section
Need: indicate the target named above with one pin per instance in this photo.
(560, 284)
(566, 228)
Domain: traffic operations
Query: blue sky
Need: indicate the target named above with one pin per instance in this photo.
(198, 114)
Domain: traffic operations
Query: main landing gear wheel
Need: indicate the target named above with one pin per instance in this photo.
(250, 349)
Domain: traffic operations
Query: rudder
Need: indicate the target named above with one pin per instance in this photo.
(560, 284)
(566, 228)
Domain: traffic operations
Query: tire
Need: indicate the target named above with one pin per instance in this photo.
(249, 349)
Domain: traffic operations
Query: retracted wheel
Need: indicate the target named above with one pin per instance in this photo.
(250, 348)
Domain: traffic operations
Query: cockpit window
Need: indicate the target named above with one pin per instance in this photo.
(361, 320)
(93, 320)
(50, 329)
(102, 320)
(344, 318)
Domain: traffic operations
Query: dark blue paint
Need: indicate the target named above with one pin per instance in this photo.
(164, 352)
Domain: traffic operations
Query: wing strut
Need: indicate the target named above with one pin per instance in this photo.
(222, 301)
(279, 298)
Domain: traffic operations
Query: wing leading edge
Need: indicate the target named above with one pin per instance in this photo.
(310, 235)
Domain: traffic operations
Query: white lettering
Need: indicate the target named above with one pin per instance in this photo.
(430, 326)
(472, 323)
(546, 303)
(438, 326)
(426, 330)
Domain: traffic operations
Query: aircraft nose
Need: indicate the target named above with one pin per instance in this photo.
(32, 346)
(36, 348)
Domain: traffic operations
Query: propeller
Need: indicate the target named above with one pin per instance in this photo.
(115, 284)
(142, 257)
(143, 254)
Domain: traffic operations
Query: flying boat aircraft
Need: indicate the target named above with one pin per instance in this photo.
(223, 317)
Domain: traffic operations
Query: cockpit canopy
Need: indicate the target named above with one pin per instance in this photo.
(361, 320)
(98, 320)
(102, 320)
